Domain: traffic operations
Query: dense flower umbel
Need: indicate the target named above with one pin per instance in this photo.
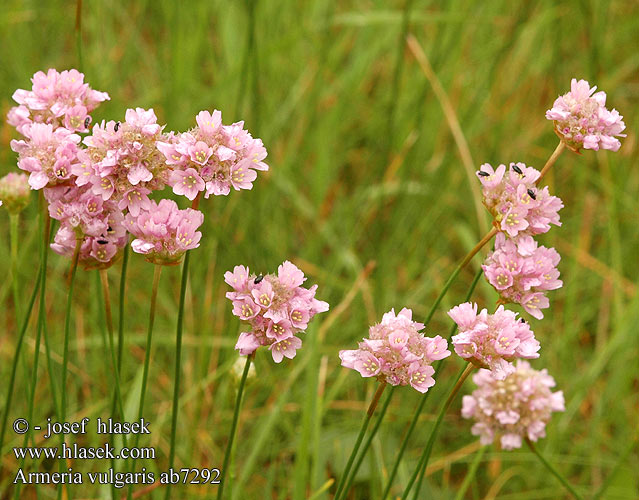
(85, 216)
(517, 407)
(121, 161)
(213, 157)
(397, 353)
(60, 99)
(492, 340)
(48, 154)
(519, 207)
(522, 271)
(582, 120)
(277, 308)
(14, 192)
(164, 232)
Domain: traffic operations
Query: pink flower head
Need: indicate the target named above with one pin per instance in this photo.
(517, 407)
(517, 205)
(582, 120)
(48, 155)
(59, 99)
(522, 271)
(213, 158)
(14, 192)
(83, 216)
(164, 232)
(276, 307)
(396, 352)
(122, 162)
(492, 340)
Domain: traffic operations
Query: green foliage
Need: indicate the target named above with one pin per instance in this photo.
(348, 185)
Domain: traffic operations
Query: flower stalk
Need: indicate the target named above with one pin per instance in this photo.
(553, 471)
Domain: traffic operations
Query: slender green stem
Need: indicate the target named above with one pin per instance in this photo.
(125, 265)
(360, 438)
(420, 470)
(65, 349)
(236, 418)
(178, 355)
(368, 442)
(45, 223)
(106, 296)
(16, 356)
(157, 271)
(471, 474)
(422, 402)
(551, 161)
(553, 471)
(15, 285)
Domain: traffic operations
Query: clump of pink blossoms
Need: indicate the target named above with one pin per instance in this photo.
(48, 154)
(121, 161)
(59, 99)
(492, 341)
(277, 308)
(582, 120)
(519, 207)
(14, 192)
(84, 216)
(522, 271)
(397, 353)
(213, 157)
(512, 409)
(164, 232)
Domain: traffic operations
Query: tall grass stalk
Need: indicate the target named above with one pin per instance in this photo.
(236, 418)
(423, 463)
(422, 402)
(360, 437)
(157, 271)
(553, 470)
(178, 356)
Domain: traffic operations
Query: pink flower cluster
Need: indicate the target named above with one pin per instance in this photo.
(492, 341)
(122, 162)
(582, 120)
(14, 192)
(277, 308)
(518, 206)
(522, 271)
(48, 154)
(213, 157)
(86, 217)
(164, 232)
(514, 408)
(58, 99)
(397, 353)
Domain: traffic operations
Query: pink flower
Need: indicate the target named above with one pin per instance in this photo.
(522, 271)
(58, 99)
(48, 155)
(213, 157)
(122, 162)
(397, 353)
(163, 232)
(516, 407)
(517, 205)
(276, 307)
(14, 192)
(492, 340)
(582, 120)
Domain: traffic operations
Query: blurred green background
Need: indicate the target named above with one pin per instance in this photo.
(369, 193)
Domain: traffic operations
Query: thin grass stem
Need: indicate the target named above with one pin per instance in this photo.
(236, 417)
(360, 437)
(553, 471)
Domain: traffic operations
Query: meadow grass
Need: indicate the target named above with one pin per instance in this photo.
(369, 194)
